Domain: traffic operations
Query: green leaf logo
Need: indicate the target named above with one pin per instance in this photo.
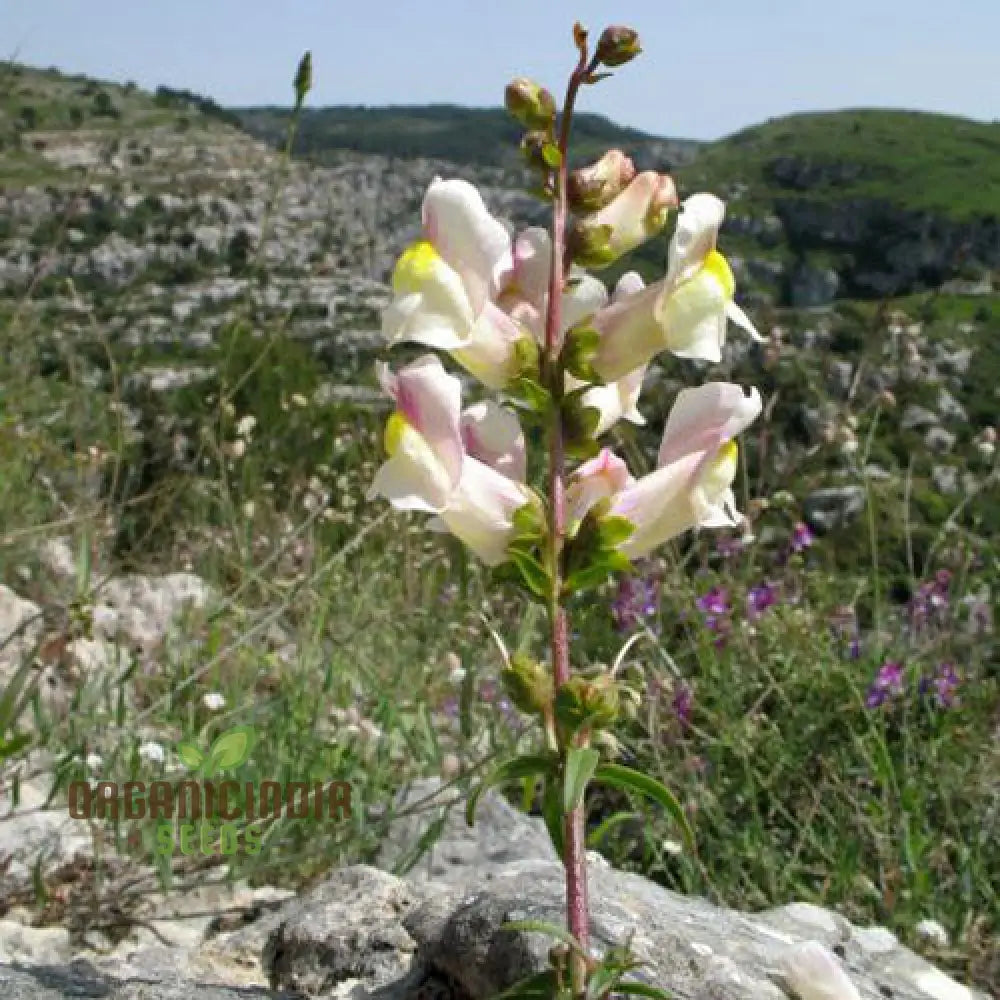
(231, 749)
(191, 757)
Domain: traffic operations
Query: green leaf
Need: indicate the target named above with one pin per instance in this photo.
(581, 763)
(190, 755)
(533, 573)
(535, 396)
(510, 770)
(635, 781)
(17, 742)
(552, 813)
(596, 836)
(545, 927)
(540, 986)
(551, 155)
(613, 530)
(231, 748)
(632, 987)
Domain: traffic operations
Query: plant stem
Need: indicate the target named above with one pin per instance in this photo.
(575, 859)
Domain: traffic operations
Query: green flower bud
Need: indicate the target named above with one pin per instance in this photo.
(532, 105)
(592, 187)
(528, 684)
(581, 702)
(303, 79)
(617, 45)
(590, 244)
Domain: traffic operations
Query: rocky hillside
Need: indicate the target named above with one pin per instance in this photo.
(142, 230)
(852, 204)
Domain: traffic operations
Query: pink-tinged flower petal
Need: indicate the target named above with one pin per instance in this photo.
(529, 278)
(695, 236)
(493, 435)
(630, 283)
(430, 400)
(413, 477)
(638, 212)
(481, 510)
(489, 351)
(630, 333)
(584, 297)
(660, 505)
(468, 238)
(430, 302)
(617, 401)
(705, 417)
(596, 479)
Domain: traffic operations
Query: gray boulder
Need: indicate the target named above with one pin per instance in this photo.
(835, 507)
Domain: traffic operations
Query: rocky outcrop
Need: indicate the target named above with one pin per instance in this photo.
(438, 932)
(883, 250)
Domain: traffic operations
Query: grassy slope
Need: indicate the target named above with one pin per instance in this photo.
(916, 160)
(465, 135)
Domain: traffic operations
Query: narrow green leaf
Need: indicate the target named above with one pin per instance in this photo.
(586, 579)
(510, 770)
(552, 813)
(545, 927)
(631, 987)
(533, 573)
(635, 781)
(597, 835)
(540, 986)
(8, 748)
(581, 762)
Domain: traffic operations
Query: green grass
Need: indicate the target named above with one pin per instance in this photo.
(338, 624)
(914, 160)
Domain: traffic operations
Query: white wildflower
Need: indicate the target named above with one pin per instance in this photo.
(153, 751)
(214, 701)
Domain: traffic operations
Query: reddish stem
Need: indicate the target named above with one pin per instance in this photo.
(575, 860)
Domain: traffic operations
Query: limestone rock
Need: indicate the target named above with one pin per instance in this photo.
(834, 507)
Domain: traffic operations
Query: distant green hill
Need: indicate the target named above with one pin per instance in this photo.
(912, 159)
(480, 136)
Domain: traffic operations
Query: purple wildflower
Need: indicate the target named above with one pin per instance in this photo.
(929, 606)
(760, 598)
(715, 602)
(943, 685)
(887, 683)
(637, 598)
(802, 537)
(714, 605)
(682, 704)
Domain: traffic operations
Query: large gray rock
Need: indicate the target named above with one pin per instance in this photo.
(60, 982)
(363, 933)
(835, 507)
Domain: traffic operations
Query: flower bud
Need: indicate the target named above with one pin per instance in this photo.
(528, 684)
(592, 187)
(303, 78)
(533, 149)
(618, 45)
(638, 213)
(532, 105)
(587, 702)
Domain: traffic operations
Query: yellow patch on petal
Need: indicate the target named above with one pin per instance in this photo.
(415, 266)
(720, 472)
(396, 426)
(717, 266)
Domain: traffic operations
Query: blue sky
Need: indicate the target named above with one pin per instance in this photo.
(708, 68)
